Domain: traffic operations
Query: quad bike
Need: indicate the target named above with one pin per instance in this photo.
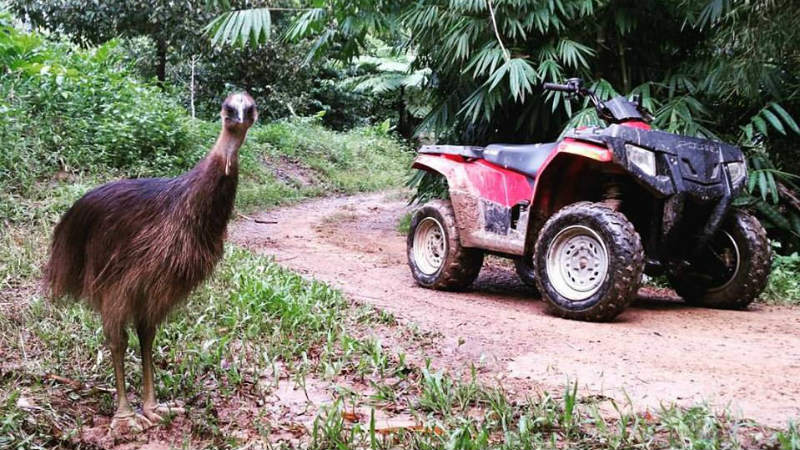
(584, 217)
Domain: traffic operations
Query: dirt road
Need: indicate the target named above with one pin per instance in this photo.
(659, 350)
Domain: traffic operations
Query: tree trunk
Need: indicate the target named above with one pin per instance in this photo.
(191, 87)
(161, 56)
(623, 65)
(403, 122)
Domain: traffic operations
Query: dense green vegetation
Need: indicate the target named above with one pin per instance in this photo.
(73, 118)
(486, 59)
(78, 112)
(784, 282)
(469, 71)
(163, 39)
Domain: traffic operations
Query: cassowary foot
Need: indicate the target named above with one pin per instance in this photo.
(129, 423)
(158, 412)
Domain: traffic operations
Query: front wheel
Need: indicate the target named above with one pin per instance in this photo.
(733, 268)
(588, 262)
(435, 254)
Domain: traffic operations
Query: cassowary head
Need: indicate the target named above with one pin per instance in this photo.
(238, 112)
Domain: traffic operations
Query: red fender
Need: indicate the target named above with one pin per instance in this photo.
(562, 179)
(573, 147)
(477, 185)
(591, 151)
(479, 178)
(477, 188)
(570, 168)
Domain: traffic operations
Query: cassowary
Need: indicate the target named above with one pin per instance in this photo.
(134, 249)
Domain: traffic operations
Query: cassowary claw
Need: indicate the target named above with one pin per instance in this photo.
(129, 423)
(158, 412)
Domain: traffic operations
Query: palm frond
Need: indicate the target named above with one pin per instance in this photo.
(305, 24)
(712, 12)
(240, 27)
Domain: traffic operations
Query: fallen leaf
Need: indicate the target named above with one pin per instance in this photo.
(296, 429)
(26, 403)
(64, 380)
(416, 428)
(351, 416)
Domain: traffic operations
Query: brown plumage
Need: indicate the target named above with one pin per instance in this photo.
(134, 249)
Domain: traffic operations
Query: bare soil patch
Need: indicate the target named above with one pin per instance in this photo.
(292, 172)
(660, 350)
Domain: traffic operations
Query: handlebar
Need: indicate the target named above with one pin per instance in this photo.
(558, 87)
(574, 87)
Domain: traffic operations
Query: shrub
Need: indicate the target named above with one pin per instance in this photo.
(784, 282)
(75, 110)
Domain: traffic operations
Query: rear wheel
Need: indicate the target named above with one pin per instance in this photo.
(435, 254)
(526, 272)
(588, 262)
(733, 268)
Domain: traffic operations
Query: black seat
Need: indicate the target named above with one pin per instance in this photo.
(527, 159)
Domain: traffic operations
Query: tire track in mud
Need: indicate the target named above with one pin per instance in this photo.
(658, 350)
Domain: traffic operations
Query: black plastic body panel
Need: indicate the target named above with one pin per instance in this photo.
(684, 164)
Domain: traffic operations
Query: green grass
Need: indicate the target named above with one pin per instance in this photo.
(280, 162)
(256, 324)
(545, 422)
(404, 224)
(312, 161)
(252, 318)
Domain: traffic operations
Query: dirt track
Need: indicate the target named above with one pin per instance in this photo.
(659, 350)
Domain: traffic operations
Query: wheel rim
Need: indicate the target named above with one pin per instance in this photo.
(577, 262)
(430, 246)
(723, 249)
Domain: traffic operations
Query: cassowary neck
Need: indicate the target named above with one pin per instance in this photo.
(212, 185)
(225, 153)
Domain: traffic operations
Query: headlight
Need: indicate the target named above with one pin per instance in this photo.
(737, 171)
(644, 159)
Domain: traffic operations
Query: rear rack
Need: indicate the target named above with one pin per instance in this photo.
(460, 150)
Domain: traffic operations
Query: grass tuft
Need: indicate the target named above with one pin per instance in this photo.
(784, 284)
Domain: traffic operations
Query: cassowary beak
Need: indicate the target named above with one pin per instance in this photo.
(239, 118)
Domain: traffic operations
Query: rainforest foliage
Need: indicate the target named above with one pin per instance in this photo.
(470, 71)
(71, 117)
(724, 69)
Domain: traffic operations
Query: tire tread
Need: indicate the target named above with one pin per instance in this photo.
(755, 278)
(627, 247)
(462, 265)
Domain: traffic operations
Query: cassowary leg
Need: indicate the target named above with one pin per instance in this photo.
(118, 342)
(152, 410)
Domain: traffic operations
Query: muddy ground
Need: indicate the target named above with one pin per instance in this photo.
(659, 350)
